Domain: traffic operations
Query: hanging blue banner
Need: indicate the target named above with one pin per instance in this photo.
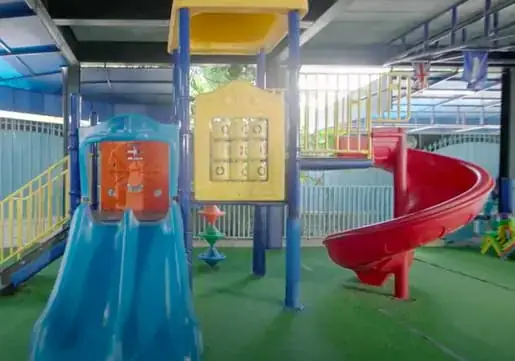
(475, 69)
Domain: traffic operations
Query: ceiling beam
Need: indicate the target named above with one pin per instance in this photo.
(112, 9)
(65, 10)
(143, 53)
(155, 53)
(60, 40)
(122, 23)
(133, 10)
(453, 28)
(328, 14)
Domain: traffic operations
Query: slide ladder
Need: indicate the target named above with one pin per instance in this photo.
(33, 225)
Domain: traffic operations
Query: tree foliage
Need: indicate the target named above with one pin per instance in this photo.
(206, 78)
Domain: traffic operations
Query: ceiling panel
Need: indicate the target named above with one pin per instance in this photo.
(121, 33)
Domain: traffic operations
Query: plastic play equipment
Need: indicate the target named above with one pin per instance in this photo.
(434, 195)
(122, 292)
(241, 126)
(134, 177)
(211, 235)
(123, 288)
(501, 239)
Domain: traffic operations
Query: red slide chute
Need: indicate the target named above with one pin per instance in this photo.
(434, 196)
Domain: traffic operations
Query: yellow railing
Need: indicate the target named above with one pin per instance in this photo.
(338, 112)
(34, 212)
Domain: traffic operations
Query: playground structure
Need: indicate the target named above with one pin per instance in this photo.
(245, 130)
(343, 141)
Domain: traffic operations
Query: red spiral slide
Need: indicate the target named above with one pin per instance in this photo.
(433, 196)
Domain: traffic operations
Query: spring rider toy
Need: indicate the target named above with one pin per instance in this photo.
(211, 235)
(501, 236)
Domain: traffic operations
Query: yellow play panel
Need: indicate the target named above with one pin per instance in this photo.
(239, 149)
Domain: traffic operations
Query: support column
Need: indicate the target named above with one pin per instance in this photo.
(260, 212)
(400, 177)
(400, 189)
(65, 100)
(293, 227)
(93, 120)
(175, 85)
(185, 170)
(507, 148)
(275, 79)
(73, 136)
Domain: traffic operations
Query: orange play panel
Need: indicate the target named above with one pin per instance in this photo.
(134, 175)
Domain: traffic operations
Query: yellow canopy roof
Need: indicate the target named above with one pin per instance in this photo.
(234, 27)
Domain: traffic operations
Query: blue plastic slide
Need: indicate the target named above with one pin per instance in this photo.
(122, 294)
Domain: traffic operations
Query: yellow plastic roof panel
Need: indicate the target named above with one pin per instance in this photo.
(234, 27)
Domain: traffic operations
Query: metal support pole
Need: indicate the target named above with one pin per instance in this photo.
(400, 181)
(175, 84)
(275, 79)
(400, 177)
(93, 119)
(185, 172)
(260, 212)
(65, 99)
(507, 149)
(73, 139)
(293, 227)
(73, 83)
(66, 110)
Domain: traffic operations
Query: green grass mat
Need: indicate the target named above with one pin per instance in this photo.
(462, 309)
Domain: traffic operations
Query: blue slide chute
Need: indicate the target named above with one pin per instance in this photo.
(122, 294)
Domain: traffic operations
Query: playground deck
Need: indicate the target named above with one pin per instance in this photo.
(462, 310)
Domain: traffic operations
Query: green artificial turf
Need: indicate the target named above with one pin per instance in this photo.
(462, 309)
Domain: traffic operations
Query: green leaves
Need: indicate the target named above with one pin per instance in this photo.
(206, 78)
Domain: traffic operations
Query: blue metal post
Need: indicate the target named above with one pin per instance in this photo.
(260, 212)
(276, 79)
(486, 19)
(175, 84)
(73, 141)
(426, 35)
(507, 147)
(93, 119)
(454, 23)
(185, 173)
(293, 228)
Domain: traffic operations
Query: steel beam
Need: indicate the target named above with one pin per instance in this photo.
(155, 53)
(401, 38)
(33, 50)
(126, 10)
(11, 10)
(30, 76)
(323, 19)
(40, 10)
(131, 23)
(427, 43)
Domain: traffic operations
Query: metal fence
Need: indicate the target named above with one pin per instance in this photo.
(27, 148)
(324, 210)
(336, 207)
(331, 201)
